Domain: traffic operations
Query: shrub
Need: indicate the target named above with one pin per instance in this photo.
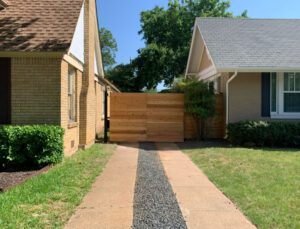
(265, 133)
(199, 101)
(31, 146)
(4, 150)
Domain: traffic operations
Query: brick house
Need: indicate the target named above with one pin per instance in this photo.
(51, 68)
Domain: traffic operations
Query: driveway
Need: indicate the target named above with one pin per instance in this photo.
(151, 185)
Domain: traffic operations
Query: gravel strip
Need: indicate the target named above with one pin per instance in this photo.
(155, 204)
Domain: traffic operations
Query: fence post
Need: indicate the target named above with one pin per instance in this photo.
(105, 116)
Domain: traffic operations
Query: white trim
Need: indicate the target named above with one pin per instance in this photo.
(260, 69)
(208, 53)
(190, 53)
(77, 45)
(206, 73)
(205, 49)
(280, 114)
(72, 61)
(213, 77)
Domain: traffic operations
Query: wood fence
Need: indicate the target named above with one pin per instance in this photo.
(215, 127)
(136, 117)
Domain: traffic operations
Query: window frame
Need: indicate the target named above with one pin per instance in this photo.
(72, 98)
(280, 114)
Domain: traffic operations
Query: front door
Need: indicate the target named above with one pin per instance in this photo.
(5, 91)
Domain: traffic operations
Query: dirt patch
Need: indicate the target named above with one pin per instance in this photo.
(12, 177)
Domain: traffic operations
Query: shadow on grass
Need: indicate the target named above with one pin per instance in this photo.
(193, 145)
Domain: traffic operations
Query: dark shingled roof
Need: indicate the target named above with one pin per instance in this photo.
(38, 25)
(252, 43)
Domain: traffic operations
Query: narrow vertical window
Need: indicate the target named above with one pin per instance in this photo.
(273, 92)
(72, 94)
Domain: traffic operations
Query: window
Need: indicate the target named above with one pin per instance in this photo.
(72, 94)
(285, 95)
(291, 92)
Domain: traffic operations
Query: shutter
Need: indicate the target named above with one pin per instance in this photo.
(265, 94)
(5, 91)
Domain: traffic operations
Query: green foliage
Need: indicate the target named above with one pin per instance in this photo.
(263, 183)
(109, 48)
(167, 33)
(264, 133)
(199, 97)
(50, 199)
(4, 149)
(31, 146)
(124, 78)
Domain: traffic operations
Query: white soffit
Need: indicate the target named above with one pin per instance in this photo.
(96, 65)
(77, 45)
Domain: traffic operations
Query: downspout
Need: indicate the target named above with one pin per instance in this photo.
(227, 95)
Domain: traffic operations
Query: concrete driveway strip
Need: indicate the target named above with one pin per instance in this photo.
(201, 203)
(109, 205)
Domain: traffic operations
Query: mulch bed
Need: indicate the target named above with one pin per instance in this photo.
(13, 177)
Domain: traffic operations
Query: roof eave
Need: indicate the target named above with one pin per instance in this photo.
(58, 54)
(259, 69)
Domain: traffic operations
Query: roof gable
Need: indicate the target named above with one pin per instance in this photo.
(77, 45)
(240, 44)
(38, 25)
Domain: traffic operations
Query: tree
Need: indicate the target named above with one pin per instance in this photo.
(167, 34)
(124, 78)
(109, 48)
(170, 30)
(199, 101)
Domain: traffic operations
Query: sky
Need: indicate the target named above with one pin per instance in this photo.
(122, 18)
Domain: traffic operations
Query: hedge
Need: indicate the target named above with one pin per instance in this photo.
(30, 146)
(265, 133)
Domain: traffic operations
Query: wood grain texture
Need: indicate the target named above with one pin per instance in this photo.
(215, 127)
(137, 117)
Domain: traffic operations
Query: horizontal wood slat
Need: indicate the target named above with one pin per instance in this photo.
(215, 127)
(146, 117)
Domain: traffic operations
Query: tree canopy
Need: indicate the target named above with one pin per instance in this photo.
(167, 33)
(109, 48)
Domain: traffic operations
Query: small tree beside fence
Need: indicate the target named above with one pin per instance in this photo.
(199, 102)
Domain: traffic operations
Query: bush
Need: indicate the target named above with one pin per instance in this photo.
(4, 150)
(263, 133)
(31, 146)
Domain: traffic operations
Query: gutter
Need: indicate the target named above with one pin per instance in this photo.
(227, 95)
(108, 83)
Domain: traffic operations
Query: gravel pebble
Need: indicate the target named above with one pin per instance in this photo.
(155, 204)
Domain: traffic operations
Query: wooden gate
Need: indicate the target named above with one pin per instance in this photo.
(138, 117)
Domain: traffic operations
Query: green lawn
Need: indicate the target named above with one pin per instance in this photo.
(48, 200)
(263, 183)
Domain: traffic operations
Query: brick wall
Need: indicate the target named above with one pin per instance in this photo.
(35, 91)
(40, 91)
(88, 94)
(71, 137)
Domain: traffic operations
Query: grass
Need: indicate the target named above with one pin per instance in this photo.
(263, 183)
(48, 200)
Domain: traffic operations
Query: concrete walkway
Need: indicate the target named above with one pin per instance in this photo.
(109, 205)
(202, 204)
